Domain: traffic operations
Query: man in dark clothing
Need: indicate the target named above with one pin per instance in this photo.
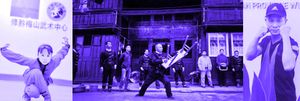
(222, 62)
(126, 68)
(75, 60)
(108, 65)
(144, 62)
(237, 66)
(144, 66)
(157, 72)
(178, 70)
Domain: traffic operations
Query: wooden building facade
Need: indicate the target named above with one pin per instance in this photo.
(122, 22)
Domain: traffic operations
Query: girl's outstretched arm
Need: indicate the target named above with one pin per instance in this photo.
(60, 55)
(15, 57)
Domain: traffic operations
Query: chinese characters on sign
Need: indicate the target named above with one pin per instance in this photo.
(43, 25)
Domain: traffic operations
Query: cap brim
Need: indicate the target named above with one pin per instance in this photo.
(274, 13)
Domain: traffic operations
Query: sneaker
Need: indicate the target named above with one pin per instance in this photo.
(103, 87)
(126, 90)
(120, 87)
(109, 89)
(138, 95)
(176, 86)
(212, 86)
(238, 85)
(171, 97)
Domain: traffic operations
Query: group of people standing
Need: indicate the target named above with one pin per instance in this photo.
(223, 65)
(151, 69)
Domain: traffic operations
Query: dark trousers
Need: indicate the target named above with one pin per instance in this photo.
(180, 74)
(108, 74)
(153, 77)
(143, 77)
(74, 74)
(238, 77)
(222, 78)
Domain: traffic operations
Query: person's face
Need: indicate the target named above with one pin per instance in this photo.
(274, 22)
(222, 51)
(204, 53)
(159, 48)
(108, 45)
(128, 48)
(44, 57)
(236, 53)
(146, 52)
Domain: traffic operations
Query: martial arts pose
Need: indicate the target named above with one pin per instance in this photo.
(237, 67)
(144, 62)
(222, 62)
(108, 65)
(37, 77)
(178, 70)
(278, 58)
(126, 68)
(157, 71)
(205, 67)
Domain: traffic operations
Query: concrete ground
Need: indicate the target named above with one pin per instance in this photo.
(156, 96)
(192, 93)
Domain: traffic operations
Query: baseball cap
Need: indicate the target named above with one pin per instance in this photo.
(276, 9)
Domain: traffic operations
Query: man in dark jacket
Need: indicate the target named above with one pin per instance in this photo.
(178, 69)
(144, 66)
(157, 72)
(237, 66)
(108, 65)
(144, 62)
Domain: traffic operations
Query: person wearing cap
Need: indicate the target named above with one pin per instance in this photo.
(278, 56)
(37, 77)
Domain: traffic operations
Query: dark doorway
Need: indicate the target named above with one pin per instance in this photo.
(163, 42)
